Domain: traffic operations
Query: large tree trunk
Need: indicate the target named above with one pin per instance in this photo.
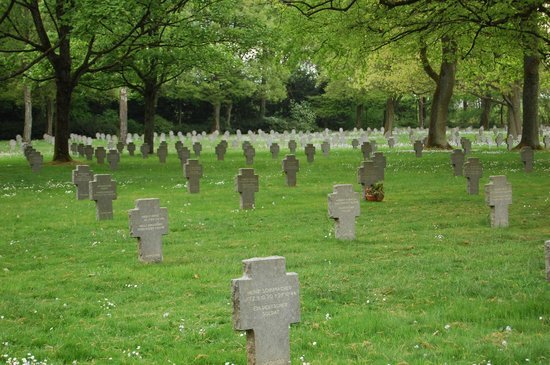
(50, 107)
(421, 111)
(123, 114)
(513, 106)
(150, 99)
(27, 128)
(530, 131)
(216, 115)
(359, 114)
(442, 96)
(389, 114)
(486, 106)
(229, 108)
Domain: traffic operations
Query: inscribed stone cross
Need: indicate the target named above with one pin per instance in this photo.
(266, 300)
(325, 148)
(197, 148)
(472, 171)
(120, 147)
(310, 152)
(183, 155)
(380, 165)
(103, 191)
(498, 195)
(249, 153)
(367, 174)
(466, 145)
(144, 149)
(89, 152)
(246, 184)
(274, 149)
(292, 146)
(366, 149)
(148, 222)
(527, 157)
(192, 170)
(343, 207)
(81, 177)
(131, 147)
(418, 147)
(100, 154)
(291, 166)
(162, 152)
(457, 161)
(113, 158)
(220, 151)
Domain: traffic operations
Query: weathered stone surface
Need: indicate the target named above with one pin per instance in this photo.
(220, 150)
(292, 146)
(144, 149)
(89, 152)
(343, 207)
(192, 170)
(457, 162)
(81, 177)
(368, 174)
(274, 149)
(354, 143)
(100, 155)
(246, 184)
(197, 148)
(162, 152)
(184, 154)
(325, 148)
(466, 145)
(309, 150)
(103, 191)
(366, 150)
(291, 165)
(148, 222)
(249, 153)
(131, 147)
(113, 158)
(36, 161)
(527, 158)
(418, 148)
(380, 165)
(266, 300)
(498, 195)
(473, 171)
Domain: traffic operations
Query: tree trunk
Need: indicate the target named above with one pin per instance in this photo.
(150, 99)
(123, 114)
(530, 131)
(421, 111)
(229, 108)
(27, 128)
(513, 104)
(442, 96)
(464, 105)
(216, 114)
(389, 114)
(63, 98)
(486, 107)
(263, 103)
(359, 114)
(50, 107)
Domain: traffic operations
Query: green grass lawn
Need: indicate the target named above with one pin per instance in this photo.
(427, 281)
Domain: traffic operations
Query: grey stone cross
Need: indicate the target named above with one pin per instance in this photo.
(148, 222)
(418, 147)
(100, 155)
(472, 172)
(343, 207)
(81, 177)
(309, 150)
(103, 191)
(498, 195)
(457, 161)
(291, 166)
(246, 184)
(192, 170)
(274, 149)
(527, 157)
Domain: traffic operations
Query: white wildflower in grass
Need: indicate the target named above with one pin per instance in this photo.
(328, 317)
(314, 343)
(508, 329)
(165, 314)
(504, 343)
(439, 236)
(447, 326)
(106, 304)
(202, 332)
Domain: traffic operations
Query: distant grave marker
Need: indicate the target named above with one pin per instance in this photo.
(380, 165)
(499, 139)
(246, 184)
(36, 161)
(100, 155)
(184, 154)
(368, 174)
(113, 158)
(266, 300)
(88, 152)
(527, 157)
(274, 149)
(292, 146)
(220, 149)
(162, 152)
(249, 153)
(366, 150)
(148, 222)
(80, 149)
(418, 147)
(466, 145)
(510, 142)
(192, 170)
(197, 148)
(131, 147)
(343, 207)
(74, 147)
(391, 142)
(309, 150)
(81, 177)
(120, 147)
(473, 170)
(457, 161)
(144, 149)
(546, 141)
(291, 166)
(498, 195)
(103, 191)
(354, 143)
(325, 148)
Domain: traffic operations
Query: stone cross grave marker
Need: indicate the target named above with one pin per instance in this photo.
(343, 207)
(220, 149)
(457, 161)
(547, 259)
(380, 165)
(418, 147)
(309, 150)
(80, 149)
(183, 155)
(527, 156)
(113, 158)
(498, 195)
(36, 160)
(354, 143)
(292, 146)
(266, 300)
(103, 191)
(391, 142)
(81, 177)
(274, 149)
(148, 222)
(366, 149)
(499, 139)
(100, 155)
(510, 142)
(74, 148)
(546, 141)
(192, 170)
(120, 147)
(368, 174)
(178, 145)
(325, 148)
(249, 153)
(197, 148)
(246, 184)
(131, 147)
(473, 170)
(88, 152)
(144, 149)
(466, 145)
(291, 166)
(162, 152)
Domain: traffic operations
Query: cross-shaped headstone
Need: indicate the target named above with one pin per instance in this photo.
(36, 160)
(546, 141)
(309, 150)
(457, 161)
(292, 146)
(368, 174)
(343, 207)
(418, 147)
(183, 155)
(148, 222)
(510, 142)
(74, 147)
(246, 184)
(249, 153)
(131, 147)
(466, 145)
(120, 147)
(81, 177)
(192, 170)
(89, 152)
(380, 164)
(498, 195)
(162, 152)
(325, 148)
(274, 149)
(266, 300)
(366, 150)
(100, 155)
(144, 149)
(80, 149)
(103, 191)
(354, 143)
(197, 148)
(113, 158)
(391, 142)
(499, 139)
(221, 149)
(472, 172)
(291, 166)
(178, 145)
(527, 157)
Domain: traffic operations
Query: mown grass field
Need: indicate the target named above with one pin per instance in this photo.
(427, 281)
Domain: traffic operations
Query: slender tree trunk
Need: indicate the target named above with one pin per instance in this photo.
(464, 105)
(359, 114)
(513, 115)
(63, 98)
(228, 110)
(389, 114)
(530, 130)
(123, 114)
(216, 115)
(150, 100)
(263, 105)
(421, 111)
(50, 107)
(442, 96)
(486, 107)
(27, 128)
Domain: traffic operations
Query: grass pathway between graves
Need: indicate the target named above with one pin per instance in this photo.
(427, 281)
